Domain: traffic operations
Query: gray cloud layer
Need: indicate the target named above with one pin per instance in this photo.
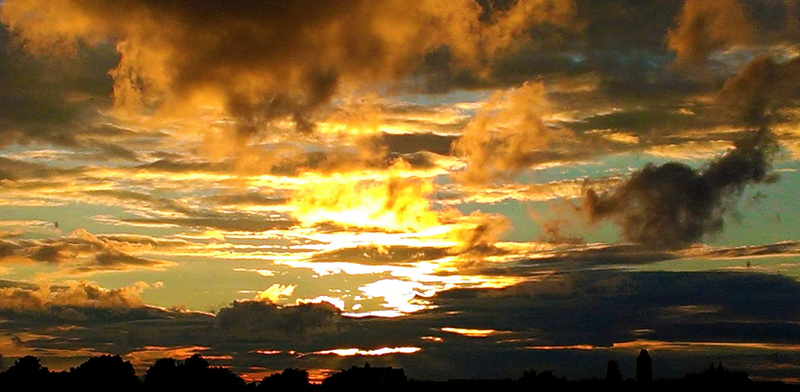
(605, 307)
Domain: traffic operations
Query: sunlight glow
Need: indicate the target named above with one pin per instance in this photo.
(472, 333)
(349, 352)
(397, 203)
(276, 292)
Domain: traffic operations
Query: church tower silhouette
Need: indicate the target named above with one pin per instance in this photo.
(644, 367)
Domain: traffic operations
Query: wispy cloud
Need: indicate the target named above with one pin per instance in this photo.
(78, 253)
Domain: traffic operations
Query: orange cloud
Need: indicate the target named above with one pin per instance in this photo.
(506, 134)
(469, 332)
(266, 61)
(81, 252)
(707, 25)
(83, 294)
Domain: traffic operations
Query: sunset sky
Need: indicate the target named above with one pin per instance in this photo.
(461, 188)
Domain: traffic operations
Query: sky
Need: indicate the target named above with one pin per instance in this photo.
(470, 188)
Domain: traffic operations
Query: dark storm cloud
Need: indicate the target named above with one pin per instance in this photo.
(703, 27)
(762, 87)
(266, 320)
(594, 256)
(268, 60)
(673, 205)
(57, 101)
(44, 101)
(624, 41)
(633, 46)
(594, 309)
(610, 38)
(111, 314)
(600, 308)
(618, 255)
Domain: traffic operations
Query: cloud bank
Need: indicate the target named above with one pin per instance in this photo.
(268, 60)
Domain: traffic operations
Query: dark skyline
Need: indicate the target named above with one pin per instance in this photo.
(196, 373)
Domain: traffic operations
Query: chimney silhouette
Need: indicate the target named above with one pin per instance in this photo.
(644, 367)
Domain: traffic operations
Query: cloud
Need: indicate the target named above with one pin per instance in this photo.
(596, 256)
(381, 254)
(784, 248)
(13, 169)
(508, 134)
(78, 253)
(265, 61)
(705, 26)
(14, 228)
(207, 220)
(605, 308)
(673, 205)
(761, 87)
(609, 309)
(81, 294)
(416, 142)
(297, 322)
(535, 192)
(46, 101)
(478, 232)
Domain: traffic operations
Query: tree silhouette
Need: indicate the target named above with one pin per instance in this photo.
(366, 379)
(194, 373)
(111, 373)
(195, 364)
(288, 380)
(105, 372)
(545, 379)
(162, 375)
(26, 372)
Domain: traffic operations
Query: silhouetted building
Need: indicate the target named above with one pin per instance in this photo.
(719, 377)
(644, 367)
(367, 378)
(612, 372)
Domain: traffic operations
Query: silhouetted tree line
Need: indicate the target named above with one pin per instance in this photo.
(111, 373)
